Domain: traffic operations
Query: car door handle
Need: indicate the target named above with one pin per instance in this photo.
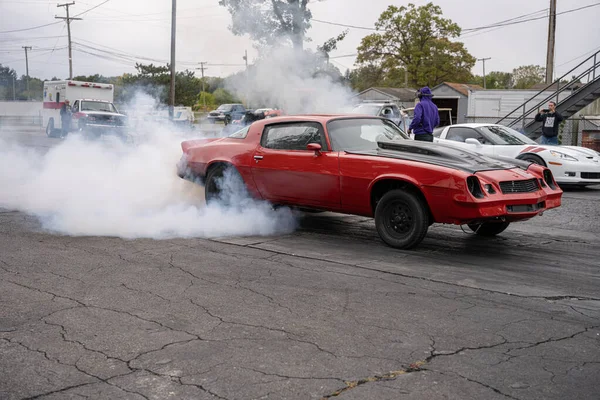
(258, 158)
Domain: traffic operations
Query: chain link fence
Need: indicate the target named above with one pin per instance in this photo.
(578, 131)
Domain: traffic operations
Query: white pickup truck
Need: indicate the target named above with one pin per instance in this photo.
(92, 109)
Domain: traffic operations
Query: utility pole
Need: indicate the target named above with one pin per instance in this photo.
(26, 71)
(173, 32)
(68, 19)
(202, 68)
(14, 90)
(247, 81)
(484, 60)
(551, 41)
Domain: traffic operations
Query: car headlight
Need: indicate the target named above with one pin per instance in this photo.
(474, 187)
(563, 156)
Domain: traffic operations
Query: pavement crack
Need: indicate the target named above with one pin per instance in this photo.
(415, 367)
(288, 335)
(59, 391)
(493, 389)
(290, 376)
(144, 292)
(421, 278)
(553, 340)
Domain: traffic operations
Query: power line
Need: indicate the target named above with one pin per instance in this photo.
(52, 23)
(29, 29)
(345, 25)
(93, 8)
(500, 24)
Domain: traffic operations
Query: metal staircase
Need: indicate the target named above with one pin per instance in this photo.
(569, 97)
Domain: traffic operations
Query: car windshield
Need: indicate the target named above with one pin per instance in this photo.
(359, 134)
(502, 135)
(225, 107)
(97, 106)
(366, 109)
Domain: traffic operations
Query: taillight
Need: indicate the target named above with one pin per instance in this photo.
(474, 187)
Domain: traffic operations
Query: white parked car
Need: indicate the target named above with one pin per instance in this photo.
(570, 165)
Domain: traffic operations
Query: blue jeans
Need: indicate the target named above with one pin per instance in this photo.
(549, 140)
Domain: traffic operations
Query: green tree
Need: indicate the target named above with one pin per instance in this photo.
(208, 98)
(268, 21)
(97, 78)
(418, 39)
(7, 77)
(373, 75)
(494, 80)
(222, 96)
(155, 80)
(526, 76)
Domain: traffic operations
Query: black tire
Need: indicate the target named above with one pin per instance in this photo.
(401, 219)
(224, 185)
(534, 159)
(50, 131)
(489, 229)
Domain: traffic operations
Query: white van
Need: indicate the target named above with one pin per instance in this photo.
(91, 105)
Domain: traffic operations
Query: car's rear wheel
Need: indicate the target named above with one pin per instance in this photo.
(401, 219)
(224, 185)
(489, 228)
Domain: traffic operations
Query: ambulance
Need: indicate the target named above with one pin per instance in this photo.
(92, 108)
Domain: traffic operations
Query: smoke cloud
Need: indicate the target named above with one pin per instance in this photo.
(110, 187)
(297, 81)
(130, 189)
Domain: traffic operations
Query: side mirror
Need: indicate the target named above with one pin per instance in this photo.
(316, 147)
(473, 141)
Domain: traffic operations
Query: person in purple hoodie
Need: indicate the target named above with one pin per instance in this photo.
(426, 117)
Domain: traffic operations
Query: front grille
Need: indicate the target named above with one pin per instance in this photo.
(525, 186)
(590, 175)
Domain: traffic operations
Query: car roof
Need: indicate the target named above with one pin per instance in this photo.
(474, 125)
(323, 118)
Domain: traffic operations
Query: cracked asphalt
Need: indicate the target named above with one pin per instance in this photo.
(326, 312)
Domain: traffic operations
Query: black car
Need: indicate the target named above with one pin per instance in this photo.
(227, 113)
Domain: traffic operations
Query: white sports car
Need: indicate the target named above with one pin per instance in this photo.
(570, 165)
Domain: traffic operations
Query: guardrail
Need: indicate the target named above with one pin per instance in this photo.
(17, 120)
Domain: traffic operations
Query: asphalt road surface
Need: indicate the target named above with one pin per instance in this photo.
(328, 311)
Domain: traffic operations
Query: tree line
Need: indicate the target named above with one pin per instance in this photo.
(412, 46)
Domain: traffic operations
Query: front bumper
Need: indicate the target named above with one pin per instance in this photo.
(576, 173)
(510, 208)
(105, 129)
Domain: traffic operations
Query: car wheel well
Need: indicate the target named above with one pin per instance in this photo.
(385, 185)
(533, 158)
(217, 164)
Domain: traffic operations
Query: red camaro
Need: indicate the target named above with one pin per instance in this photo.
(367, 166)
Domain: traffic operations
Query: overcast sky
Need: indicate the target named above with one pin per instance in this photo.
(141, 28)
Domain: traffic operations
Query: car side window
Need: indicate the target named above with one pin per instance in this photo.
(395, 112)
(76, 106)
(293, 136)
(460, 134)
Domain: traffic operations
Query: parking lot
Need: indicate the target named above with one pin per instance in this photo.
(327, 311)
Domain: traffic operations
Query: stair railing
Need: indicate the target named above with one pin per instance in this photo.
(590, 72)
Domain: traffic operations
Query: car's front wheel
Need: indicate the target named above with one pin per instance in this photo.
(532, 158)
(401, 219)
(489, 228)
(224, 185)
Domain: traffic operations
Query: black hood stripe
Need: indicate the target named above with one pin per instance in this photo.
(441, 155)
